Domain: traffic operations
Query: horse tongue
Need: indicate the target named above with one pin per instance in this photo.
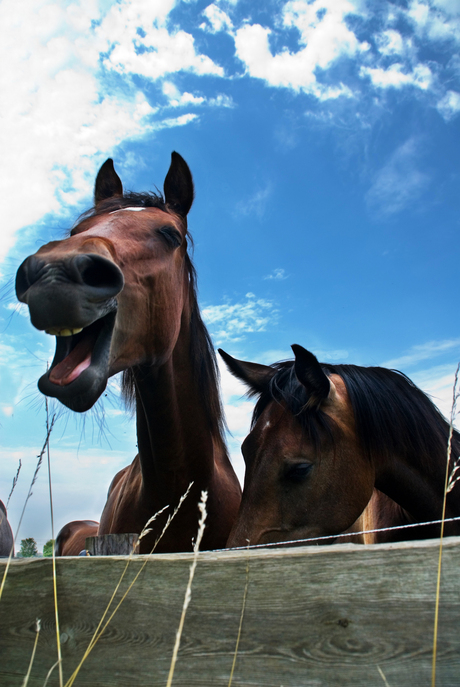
(74, 364)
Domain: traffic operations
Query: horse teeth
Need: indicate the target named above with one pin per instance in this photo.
(70, 332)
(64, 332)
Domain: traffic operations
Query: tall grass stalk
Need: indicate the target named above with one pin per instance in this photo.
(446, 489)
(56, 611)
(188, 591)
(243, 608)
(382, 675)
(37, 633)
(48, 674)
(100, 630)
(4, 515)
(15, 481)
(29, 494)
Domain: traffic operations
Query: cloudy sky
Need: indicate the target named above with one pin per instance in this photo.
(324, 140)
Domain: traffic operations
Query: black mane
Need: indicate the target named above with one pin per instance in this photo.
(202, 354)
(392, 415)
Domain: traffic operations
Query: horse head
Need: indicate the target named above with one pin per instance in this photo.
(306, 473)
(113, 293)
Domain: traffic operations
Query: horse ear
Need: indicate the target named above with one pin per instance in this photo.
(108, 183)
(256, 376)
(310, 374)
(178, 186)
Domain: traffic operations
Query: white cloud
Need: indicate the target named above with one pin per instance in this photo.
(218, 20)
(338, 355)
(178, 99)
(391, 42)
(324, 37)
(82, 496)
(449, 105)
(399, 183)
(163, 53)
(438, 383)
(255, 204)
(279, 274)
(395, 77)
(231, 322)
(60, 115)
(437, 21)
(289, 70)
(425, 351)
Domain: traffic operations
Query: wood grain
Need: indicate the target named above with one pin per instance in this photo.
(324, 616)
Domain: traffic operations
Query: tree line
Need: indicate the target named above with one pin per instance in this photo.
(29, 548)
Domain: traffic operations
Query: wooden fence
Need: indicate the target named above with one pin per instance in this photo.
(315, 616)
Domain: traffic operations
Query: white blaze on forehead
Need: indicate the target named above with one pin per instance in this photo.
(127, 209)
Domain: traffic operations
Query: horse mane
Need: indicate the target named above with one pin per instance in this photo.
(202, 354)
(392, 415)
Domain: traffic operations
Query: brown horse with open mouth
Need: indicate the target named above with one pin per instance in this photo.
(330, 443)
(119, 295)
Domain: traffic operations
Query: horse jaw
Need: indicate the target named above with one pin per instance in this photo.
(79, 372)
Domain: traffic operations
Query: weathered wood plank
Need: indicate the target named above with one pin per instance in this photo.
(324, 616)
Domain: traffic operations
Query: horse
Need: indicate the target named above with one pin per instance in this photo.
(6, 534)
(73, 536)
(329, 444)
(119, 294)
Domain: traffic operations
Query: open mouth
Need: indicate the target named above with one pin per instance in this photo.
(80, 368)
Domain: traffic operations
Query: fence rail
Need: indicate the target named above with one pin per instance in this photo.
(314, 616)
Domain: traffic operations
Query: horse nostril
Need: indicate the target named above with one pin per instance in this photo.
(27, 274)
(99, 273)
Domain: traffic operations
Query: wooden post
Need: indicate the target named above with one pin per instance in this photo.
(112, 545)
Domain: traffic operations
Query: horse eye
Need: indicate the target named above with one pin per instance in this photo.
(298, 471)
(172, 236)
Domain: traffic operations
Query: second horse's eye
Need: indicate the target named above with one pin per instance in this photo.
(172, 237)
(297, 472)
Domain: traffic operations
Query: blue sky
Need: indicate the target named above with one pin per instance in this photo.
(324, 141)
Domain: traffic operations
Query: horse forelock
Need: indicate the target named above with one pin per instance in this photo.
(130, 199)
(392, 415)
(284, 388)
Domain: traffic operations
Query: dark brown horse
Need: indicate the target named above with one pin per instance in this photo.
(119, 295)
(6, 535)
(328, 442)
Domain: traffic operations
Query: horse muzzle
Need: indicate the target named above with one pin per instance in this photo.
(73, 299)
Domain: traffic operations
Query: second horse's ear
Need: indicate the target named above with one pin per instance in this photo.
(178, 186)
(108, 183)
(310, 374)
(256, 377)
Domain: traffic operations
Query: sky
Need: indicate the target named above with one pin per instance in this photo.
(324, 141)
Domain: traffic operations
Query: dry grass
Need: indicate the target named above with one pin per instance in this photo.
(450, 480)
(101, 628)
(188, 591)
(29, 494)
(240, 627)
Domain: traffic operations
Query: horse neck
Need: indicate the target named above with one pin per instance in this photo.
(417, 490)
(175, 440)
